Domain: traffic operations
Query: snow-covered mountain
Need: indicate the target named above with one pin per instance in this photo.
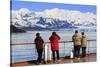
(52, 19)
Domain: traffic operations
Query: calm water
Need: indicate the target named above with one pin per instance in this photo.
(27, 52)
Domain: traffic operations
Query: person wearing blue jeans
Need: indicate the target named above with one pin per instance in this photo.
(77, 51)
(39, 46)
(76, 38)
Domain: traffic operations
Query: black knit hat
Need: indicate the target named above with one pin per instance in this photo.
(37, 34)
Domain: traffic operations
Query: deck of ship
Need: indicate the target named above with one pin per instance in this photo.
(88, 58)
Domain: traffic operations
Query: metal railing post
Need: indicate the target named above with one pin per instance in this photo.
(63, 49)
(88, 47)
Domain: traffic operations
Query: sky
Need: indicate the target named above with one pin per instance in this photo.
(40, 6)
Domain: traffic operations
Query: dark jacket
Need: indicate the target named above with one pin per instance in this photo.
(39, 42)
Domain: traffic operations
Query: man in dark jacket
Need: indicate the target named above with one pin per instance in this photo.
(39, 46)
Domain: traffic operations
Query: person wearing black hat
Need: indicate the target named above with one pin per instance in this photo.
(76, 38)
(39, 46)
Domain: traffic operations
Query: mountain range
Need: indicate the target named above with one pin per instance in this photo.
(52, 19)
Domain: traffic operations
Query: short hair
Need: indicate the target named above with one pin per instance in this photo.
(82, 33)
(53, 33)
(76, 31)
(37, 34)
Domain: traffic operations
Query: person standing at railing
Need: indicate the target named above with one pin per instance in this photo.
(83, 44)
(76, 38)
(54, 39)
(39, 46)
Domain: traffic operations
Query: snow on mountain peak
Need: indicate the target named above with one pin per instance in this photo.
(66, 15)
(24, 10)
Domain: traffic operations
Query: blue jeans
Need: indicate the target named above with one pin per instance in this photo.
(83, 51)
(76, 51)
(39, 51)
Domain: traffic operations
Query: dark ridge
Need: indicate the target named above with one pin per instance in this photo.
(14, 29)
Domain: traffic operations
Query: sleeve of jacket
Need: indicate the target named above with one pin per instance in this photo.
(42, 40)
(58, 37)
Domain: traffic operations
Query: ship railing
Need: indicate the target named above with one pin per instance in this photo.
(65, 47)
